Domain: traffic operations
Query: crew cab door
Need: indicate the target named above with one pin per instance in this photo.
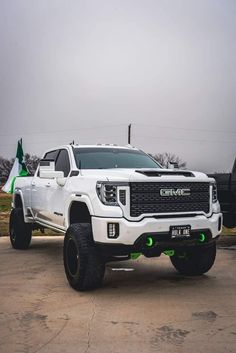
(48, 197)
(57, 194)
(39, 195)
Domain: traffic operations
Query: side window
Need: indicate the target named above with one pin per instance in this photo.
(51, 155)
(63, 162)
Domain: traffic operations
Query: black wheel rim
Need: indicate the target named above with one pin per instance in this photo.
(72, 258)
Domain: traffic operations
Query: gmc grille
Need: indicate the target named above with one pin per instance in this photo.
(146, 198)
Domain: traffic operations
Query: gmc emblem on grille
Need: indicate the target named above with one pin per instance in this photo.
(175, 192)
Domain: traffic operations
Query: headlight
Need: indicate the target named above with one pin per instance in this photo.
(107, 193)
(214, 192)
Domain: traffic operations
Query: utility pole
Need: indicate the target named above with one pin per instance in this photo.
(129, 134)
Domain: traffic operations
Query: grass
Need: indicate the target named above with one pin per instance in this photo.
(5, 202)
(5, 207)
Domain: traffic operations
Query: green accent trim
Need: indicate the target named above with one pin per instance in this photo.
(169, 252)
(202, 238)
(149, 241)
(135, 255)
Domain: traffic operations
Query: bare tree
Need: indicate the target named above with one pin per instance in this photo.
(31, 162)
(5, 167)
(165, 158)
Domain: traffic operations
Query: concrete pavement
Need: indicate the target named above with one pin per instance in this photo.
(144, 306)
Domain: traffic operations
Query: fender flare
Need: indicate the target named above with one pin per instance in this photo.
(19, 193)
(77, 198)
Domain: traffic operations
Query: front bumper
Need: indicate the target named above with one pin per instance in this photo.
(130, 232)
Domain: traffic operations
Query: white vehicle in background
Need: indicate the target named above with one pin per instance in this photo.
(115, 203)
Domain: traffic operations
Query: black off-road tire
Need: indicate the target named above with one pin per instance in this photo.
(84, 267)
(195, 261)
(20, 232)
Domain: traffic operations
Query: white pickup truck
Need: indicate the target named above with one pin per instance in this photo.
(116, 203)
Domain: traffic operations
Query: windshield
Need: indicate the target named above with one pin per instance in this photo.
(106, 158)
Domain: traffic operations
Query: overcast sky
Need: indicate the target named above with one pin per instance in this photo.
(83, 70)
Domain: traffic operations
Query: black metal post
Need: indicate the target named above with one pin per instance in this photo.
(129, 134)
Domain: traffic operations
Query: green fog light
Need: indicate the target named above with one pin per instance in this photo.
(202, 238)
(149, 241)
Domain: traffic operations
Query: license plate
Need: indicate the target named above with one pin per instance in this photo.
(180, 231)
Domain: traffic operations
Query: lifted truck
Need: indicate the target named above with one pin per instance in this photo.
(226, 185)
(116, 203)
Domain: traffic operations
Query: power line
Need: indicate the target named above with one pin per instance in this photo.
(57, 140)
(62, 131)
(119, 136)
(114, 126)
(182, 139)
(186, 129)
(66, 139)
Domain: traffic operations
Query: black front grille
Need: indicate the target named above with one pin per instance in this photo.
(146, 198)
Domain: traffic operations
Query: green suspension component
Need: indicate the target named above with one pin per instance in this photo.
(170, 252)
(135, 255)
(149, 242)
(202, 238)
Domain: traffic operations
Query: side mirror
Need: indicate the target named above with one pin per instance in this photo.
(61, 181)
(47, 169)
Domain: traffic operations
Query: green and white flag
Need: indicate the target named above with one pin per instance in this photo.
(18, 169)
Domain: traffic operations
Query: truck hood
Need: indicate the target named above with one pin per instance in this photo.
(144, 175)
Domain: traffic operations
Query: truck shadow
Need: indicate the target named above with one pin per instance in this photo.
(154, 275)
(150, 274)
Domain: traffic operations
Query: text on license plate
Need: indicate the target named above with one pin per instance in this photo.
(180, 231)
